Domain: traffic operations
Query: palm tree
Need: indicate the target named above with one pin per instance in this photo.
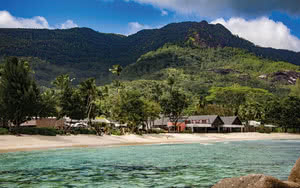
(90, 92)
(117, 69)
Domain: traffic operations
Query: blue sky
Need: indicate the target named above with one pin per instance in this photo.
(269, 23)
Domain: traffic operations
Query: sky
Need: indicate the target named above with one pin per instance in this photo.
(267, 23)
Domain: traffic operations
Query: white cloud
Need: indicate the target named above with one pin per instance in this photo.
(68, 24)
(38, 22)
(9, 21)
(213, 8)
(164, 13)
(263, 32)
(134, 27)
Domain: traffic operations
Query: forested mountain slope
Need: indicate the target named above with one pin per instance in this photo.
(202, 68)
(85, 53)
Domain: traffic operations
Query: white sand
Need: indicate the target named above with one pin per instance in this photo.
(26, 142)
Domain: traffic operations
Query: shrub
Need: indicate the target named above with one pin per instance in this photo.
(76, 131)
(3, 131)
(35, 131)
(263, 129)
(155, 131)
(188, 131)
(116, 132)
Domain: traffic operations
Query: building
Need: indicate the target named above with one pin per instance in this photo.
(161, 123)
(232, 124)
(253, 126)
(51, 122)
(204, 124)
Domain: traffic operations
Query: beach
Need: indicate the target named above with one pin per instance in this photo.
(10, 143)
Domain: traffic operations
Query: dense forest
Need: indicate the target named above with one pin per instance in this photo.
(83, 53)
(201, 68)
(180, 70)
(135, 103)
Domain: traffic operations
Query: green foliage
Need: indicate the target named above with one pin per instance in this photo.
(82, 52)
(47, 104)
(188, 132)
(263, 129)
(116, 132)
(89, 94)
(117, 69)
(34, 131)
(128, 108)
(155, 131)
(284, 112)
(173, 105)
(77, 131)
(151, 112)
(19, 94)
(295, 90)
(198, 69)
(234, 96)
(4, 131)
(70, 101)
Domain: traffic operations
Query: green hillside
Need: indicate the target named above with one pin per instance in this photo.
(197, 69)
(85, 53)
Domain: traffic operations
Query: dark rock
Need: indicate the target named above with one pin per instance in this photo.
(295, 173)
(285, 77)
(262, 181)
(255, 181)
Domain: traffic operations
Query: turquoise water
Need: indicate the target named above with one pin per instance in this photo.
(190, 165)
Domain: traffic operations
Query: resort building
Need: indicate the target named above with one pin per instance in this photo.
(232, 124)
(50, 122)
(203, 124)
(200, 124)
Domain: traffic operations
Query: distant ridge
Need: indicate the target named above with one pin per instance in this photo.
(86, 45)
(82, 51)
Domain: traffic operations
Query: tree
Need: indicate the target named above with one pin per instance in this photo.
(295, 90)
(128, 109)
(255, 106)
(151, 111)
(47, 104)
(234, 96)
(70, 101)
(284, 112)
(89, 93)
(19, 92)
(173, 105)
(117, 69)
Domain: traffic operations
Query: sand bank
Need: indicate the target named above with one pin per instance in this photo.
(26, 142)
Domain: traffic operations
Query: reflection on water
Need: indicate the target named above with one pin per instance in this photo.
(190, 165)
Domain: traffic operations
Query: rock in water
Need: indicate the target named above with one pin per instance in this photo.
(255, 181)
(262, 181)
(295, 173)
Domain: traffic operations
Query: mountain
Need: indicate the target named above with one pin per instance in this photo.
(198, 69)
(83, 52)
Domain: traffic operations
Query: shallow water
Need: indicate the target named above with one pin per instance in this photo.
(182, 165)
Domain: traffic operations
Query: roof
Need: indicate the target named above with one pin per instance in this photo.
(210, 118)
(229, 120)
(29, 123)
(162, 121)
(233, 126)
(271, 126)
(199, 125)
(254, 123)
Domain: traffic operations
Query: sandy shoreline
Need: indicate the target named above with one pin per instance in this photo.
(28, 143)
